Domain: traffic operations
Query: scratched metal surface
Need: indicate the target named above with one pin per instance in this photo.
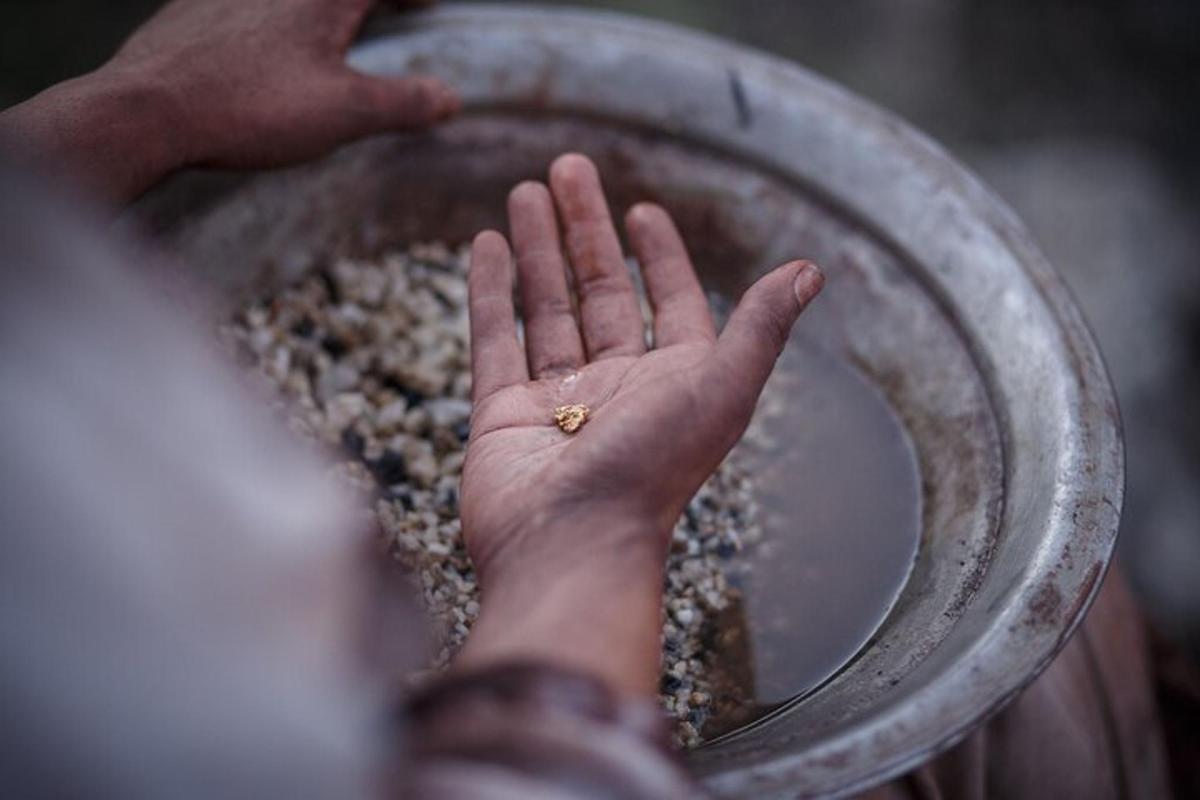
(936, 295)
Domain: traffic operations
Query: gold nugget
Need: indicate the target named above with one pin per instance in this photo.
(571, 418)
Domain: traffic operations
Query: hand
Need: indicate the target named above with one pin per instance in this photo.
(264, 82)
(569, 532)
(223, 83)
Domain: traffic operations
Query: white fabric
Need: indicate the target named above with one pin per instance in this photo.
(178, 584)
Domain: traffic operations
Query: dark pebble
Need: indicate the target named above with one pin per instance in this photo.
(448, 500)
(447, 303)
(709, 635)
(402, 495)
(353, 442)
(304, 328)
(697, 717)
(331, 287)
(389, 469)
(413, 397)
(726, 550)
(334, 346)
(670, 683)
(463, 431)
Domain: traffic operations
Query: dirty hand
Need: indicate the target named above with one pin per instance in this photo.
(223, 83)
(569, 532)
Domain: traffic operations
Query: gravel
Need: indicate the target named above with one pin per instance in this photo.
(372, 359)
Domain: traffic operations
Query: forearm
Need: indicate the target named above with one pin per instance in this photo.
(597, 613)
(111, 134)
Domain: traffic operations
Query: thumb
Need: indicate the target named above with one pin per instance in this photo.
(399, 103)
(762, 322)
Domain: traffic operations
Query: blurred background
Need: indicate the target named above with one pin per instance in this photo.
(1083, 115)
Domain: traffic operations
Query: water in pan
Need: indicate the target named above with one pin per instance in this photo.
(839, 494)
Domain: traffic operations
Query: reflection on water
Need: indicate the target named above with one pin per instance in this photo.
(838, 485)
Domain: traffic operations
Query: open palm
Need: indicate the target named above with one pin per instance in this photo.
(660, 420)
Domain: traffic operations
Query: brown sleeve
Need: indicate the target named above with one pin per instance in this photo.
(534, 731)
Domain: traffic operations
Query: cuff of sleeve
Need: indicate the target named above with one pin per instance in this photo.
(542, 723)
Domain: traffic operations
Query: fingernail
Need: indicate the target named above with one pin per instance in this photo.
(808, 283)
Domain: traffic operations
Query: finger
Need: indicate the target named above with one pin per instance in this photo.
(762, 322)
(552, 340)
(373, 104)
(681, 312)
(496, 357)
(608, 306)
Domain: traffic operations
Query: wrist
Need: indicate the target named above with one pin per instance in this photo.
(583, 544)
(596, 610)
(111, 130)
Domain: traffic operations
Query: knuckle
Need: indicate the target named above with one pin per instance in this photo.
(770, 325)
(602, 284)
(490, 311)
(550, 305)
(616, 349)
(540, 257)
(554, 365)
(672, 272)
